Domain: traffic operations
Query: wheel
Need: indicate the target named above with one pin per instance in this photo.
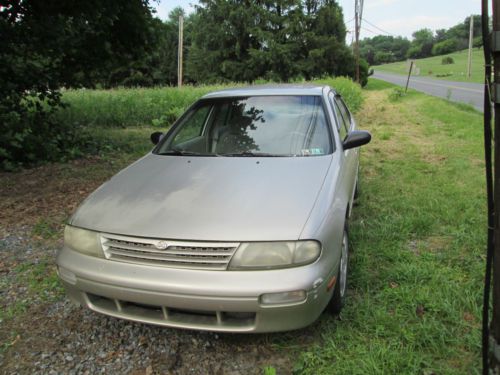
(339, 292)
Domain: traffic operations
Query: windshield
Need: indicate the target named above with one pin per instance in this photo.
(252, 126)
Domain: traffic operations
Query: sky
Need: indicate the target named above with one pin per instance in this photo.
(383, 17)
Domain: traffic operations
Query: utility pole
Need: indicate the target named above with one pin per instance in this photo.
(495, 323)
(471, 37)
(179, 52)
(358, 17)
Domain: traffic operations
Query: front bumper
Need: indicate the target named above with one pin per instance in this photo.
(194, 299)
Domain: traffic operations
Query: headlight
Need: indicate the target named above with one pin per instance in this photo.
(265, 255)
(82, 240)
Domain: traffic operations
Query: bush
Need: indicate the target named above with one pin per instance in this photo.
(364, 71)
(477, 42)
(414, 52)
(396, 94)
(444, 47)
(351, 92)
(31, 137)
(169, 117)
(32, 134)
(383, 57)
(448, 60)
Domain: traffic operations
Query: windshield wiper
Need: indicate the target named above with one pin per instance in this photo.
(176, 151)
(251, 154)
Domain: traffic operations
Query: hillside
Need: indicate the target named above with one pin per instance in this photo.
(432, 67)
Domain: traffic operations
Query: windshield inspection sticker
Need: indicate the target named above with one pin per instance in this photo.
(312, 151)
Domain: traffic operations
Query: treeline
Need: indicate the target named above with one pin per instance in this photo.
(49, 45)
(273, 40)
(383, 49)
(235, 41)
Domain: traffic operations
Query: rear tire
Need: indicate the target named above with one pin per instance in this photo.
(339, 292)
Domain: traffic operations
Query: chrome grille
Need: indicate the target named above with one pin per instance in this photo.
(179, 254)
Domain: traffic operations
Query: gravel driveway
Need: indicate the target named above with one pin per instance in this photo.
(52, 336)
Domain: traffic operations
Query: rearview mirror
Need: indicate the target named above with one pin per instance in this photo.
(155, 137)
(357, 138)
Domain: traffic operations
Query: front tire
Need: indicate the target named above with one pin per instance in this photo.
(339, 292)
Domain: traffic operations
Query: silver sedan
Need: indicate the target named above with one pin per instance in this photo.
(236, 221)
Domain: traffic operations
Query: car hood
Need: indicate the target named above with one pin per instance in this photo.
(207, 198)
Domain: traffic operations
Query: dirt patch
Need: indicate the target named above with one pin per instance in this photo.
(433, 158)
(68, 339)
(437, 243)
(431, 244)
(48, 194)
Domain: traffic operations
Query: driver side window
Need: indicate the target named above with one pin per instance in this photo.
(194, 126)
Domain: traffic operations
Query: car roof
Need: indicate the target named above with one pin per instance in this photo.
(274, 89)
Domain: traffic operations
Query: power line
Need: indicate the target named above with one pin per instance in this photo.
(370, 31)
(378, 28)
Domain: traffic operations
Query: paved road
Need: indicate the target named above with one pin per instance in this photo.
(465, 92)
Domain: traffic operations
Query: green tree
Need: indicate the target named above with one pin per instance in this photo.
(422, 43)
(279, 44)
(223, 35)
(243, 40)
(327, 52)
(383, 49)
(50, 44)
(445, 47)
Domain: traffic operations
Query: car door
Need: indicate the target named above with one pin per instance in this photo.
(350, 157)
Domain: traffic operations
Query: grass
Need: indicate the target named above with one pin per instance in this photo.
(41, 282)
(418, 237)
(124, 107)
(431, 67)
(41, 279)
(269, 370)
(45, 229)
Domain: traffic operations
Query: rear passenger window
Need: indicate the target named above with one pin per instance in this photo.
(344, 109)
(343, 124)
(339, 120)
(345, 112)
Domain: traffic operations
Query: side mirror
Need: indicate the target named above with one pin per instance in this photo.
(357, 138)
(155, 137)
